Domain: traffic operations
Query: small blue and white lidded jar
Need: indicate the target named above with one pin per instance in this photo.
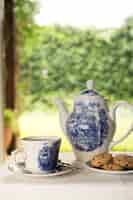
(90, 127)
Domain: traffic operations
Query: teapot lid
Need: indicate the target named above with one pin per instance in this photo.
(90, 89)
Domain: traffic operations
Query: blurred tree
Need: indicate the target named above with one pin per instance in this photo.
(11, 60)
(18, 20)
(121, 61)
(25, 12)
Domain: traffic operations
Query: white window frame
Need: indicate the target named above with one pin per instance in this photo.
(1, 83)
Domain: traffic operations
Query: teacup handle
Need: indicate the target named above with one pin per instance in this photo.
(17, 159)
(129, 131)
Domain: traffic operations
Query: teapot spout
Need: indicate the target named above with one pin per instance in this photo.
(63, 113)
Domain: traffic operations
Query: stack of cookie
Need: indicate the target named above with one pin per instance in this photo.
(108, 162)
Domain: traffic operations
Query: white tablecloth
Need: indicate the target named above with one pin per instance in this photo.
(80, 185)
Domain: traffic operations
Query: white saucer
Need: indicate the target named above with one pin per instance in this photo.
(63, 169)
(88, 166)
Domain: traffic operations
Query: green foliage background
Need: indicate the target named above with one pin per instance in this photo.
(72, 56)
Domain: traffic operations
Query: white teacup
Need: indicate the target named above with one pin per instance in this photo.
(39, 154)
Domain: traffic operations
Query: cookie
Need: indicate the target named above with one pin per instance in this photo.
(112, 166)
(124, 161)
(101, 159)
(129, 164)
(120, 160)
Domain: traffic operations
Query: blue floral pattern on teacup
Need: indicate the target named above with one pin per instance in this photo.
(44, 155)
(48, 156)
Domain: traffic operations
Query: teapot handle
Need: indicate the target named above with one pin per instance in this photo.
(113, 113)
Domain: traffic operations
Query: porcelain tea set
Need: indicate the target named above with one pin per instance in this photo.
(90, 128)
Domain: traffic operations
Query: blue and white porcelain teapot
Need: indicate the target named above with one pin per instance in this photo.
(90, 127)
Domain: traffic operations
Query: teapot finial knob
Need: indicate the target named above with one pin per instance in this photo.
(90, 84)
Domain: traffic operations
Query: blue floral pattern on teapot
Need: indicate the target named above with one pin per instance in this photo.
(87, 126)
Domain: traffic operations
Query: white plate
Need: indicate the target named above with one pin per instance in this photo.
(65, 169)
(88, 166)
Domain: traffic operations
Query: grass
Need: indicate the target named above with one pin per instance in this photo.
(45, 124)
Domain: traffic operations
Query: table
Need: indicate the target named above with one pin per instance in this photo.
(81, 185)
